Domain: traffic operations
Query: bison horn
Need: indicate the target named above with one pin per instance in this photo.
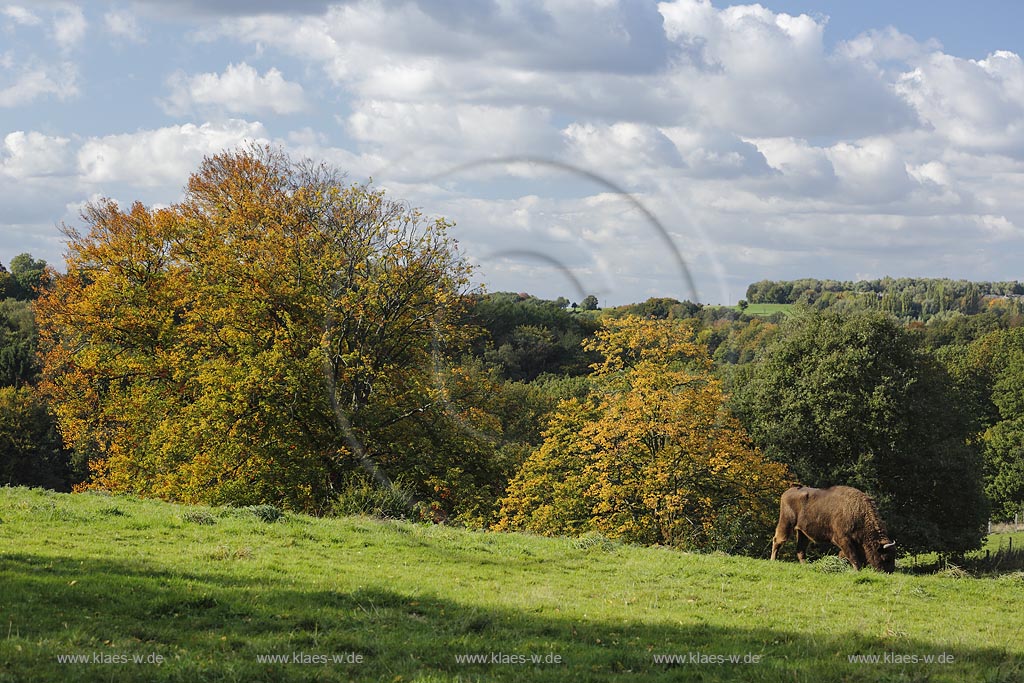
(890, 544)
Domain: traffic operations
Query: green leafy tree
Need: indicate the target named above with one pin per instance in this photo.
(853, 399)
(660, 308)
(18, 362)
(31, 452)
(27, 275)
(991, 373)
(526, 337)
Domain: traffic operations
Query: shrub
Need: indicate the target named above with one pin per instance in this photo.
(361, 497)
(198, 517)
(264, 513)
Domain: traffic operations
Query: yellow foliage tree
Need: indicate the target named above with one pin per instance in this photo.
(652, 456)
(258, 342)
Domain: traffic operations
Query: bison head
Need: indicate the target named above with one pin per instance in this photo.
(887, 551)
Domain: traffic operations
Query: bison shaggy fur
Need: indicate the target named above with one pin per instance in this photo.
(841, 515)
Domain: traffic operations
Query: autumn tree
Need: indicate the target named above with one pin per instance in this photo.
(267, 338)
(651, 455)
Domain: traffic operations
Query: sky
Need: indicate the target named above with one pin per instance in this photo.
(621, 148)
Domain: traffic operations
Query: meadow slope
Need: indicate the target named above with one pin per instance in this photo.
(90, 583)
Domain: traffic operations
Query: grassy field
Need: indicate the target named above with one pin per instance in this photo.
(199, 594)
(1002, 552)
(767, 309)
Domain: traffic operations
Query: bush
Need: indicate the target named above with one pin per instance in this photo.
(198, 517)
(594, 540)
(264, 513)
(361, 497)
(31, 452)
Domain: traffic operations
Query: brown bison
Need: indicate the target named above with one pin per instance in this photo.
(841, 515)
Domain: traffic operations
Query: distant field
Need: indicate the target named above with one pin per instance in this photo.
(90, 583)
(767, 309)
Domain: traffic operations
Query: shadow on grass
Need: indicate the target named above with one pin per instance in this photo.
(216, 627)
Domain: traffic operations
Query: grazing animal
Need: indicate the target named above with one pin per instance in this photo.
(841, 515)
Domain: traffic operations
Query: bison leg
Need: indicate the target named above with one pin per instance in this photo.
(780, 538)
(783, 530)
(848, 551)
(862, 560)
(802, 540)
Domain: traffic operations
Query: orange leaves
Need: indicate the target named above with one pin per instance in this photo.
(653, 457)
(629, 342)
(186, 348)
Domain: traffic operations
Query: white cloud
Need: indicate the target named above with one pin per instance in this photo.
(123, 24)
(597, 244)
(569, 35)
(239, 90)
(882, 154)
(934, 172)
(479, 126)
(33, 81)
(165, 156)
(69, 26)
(881, 47)
(999, 228)
(20, 15)
(805, 169)
(776, 143)
(419, 140)
(621, 146)
(975, 104)
(599, 57)
(765, 74)
(870, 171)
(27, 155)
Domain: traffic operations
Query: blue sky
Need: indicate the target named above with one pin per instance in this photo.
(789, 139)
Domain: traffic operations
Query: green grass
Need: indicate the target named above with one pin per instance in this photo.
(211, 590)
(1001, 553)
(767, 309)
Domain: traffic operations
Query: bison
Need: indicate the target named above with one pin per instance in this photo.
(841, 515)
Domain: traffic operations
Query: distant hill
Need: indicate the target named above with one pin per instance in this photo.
(913, 298)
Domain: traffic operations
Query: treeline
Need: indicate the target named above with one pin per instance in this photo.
(527, 337)
(31, 450)
(280, 337)
(911, 298)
